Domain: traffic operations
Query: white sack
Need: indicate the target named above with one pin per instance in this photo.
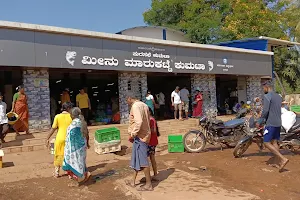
(288, 119)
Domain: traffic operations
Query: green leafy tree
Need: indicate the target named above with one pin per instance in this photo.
(201, 20)
(287, 66)
(211, 21)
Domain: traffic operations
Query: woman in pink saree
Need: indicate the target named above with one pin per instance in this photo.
(197, 104)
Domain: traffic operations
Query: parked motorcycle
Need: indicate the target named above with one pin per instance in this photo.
(289, 141)
(215, 131)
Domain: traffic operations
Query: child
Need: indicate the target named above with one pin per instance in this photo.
(153, 143)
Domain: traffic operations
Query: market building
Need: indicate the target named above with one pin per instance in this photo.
(48, 59)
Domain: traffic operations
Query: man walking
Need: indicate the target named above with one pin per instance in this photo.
(185, 99)
(83, 102)
(272, 115)
(176, 102)
(139, 131)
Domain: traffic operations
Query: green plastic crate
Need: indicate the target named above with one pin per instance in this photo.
(175, 144)
(107, 134)
(175, 138)
(295, 108)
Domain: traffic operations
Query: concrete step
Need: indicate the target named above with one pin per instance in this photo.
(36, 141)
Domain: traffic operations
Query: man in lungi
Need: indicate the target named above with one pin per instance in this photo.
(140, 133)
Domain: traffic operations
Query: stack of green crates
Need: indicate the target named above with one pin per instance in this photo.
(295, 108)
(107, 135)
(175, 144)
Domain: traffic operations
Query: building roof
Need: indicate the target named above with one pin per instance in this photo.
(158, 27)
(85, 33)
(271, 41)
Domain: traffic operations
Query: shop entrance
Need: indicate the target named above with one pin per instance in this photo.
(10, 78)
(166, 83)
(101, 87)
(227, 93)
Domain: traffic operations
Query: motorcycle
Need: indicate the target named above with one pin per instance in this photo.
(215, 131)
(289, 141)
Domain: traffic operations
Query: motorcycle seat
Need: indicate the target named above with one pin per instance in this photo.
(216, 121)
(234, 123)
(226, 127)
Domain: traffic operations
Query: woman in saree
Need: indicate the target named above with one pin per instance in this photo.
(76, 146)
(20, 107)
(61, 123)
(198, 102)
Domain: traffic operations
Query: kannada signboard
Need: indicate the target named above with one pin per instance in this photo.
(37, 49)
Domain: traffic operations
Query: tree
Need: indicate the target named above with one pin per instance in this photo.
(287, 66)
(201, 20)
(212, 21)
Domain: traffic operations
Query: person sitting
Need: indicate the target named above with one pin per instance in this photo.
(236, 107)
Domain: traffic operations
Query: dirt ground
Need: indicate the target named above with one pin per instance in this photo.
(250, 174)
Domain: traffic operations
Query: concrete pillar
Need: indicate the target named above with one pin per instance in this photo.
(207, 86)
(130, 82)
(36, 83)
(241, 86)
(254, 88)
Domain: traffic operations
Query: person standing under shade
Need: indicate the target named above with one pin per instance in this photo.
(83, 102)
(20, 107)
(150, 100)
(176, 102)
(162, 104)
(198, 102)
(4, 128)
(185, 98)
(65, 97)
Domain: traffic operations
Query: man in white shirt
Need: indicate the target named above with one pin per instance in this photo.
(161, 102)
(4, 128)
(176, 102)
(185, 98)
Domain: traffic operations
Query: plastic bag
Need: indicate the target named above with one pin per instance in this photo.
(288, 119)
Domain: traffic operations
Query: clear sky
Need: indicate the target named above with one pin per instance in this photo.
(97, 15)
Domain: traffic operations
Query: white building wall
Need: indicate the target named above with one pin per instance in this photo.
(155, 33)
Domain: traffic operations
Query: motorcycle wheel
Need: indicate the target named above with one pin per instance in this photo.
(194, 142)
(241, 148)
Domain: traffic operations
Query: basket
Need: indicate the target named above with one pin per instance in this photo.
(12, 118)
(107, 134)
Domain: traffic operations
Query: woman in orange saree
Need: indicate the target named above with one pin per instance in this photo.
(20, 107)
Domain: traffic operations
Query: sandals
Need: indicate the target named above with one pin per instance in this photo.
(129, 183)
(281, 167)
(153, 179)
(144, 189)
